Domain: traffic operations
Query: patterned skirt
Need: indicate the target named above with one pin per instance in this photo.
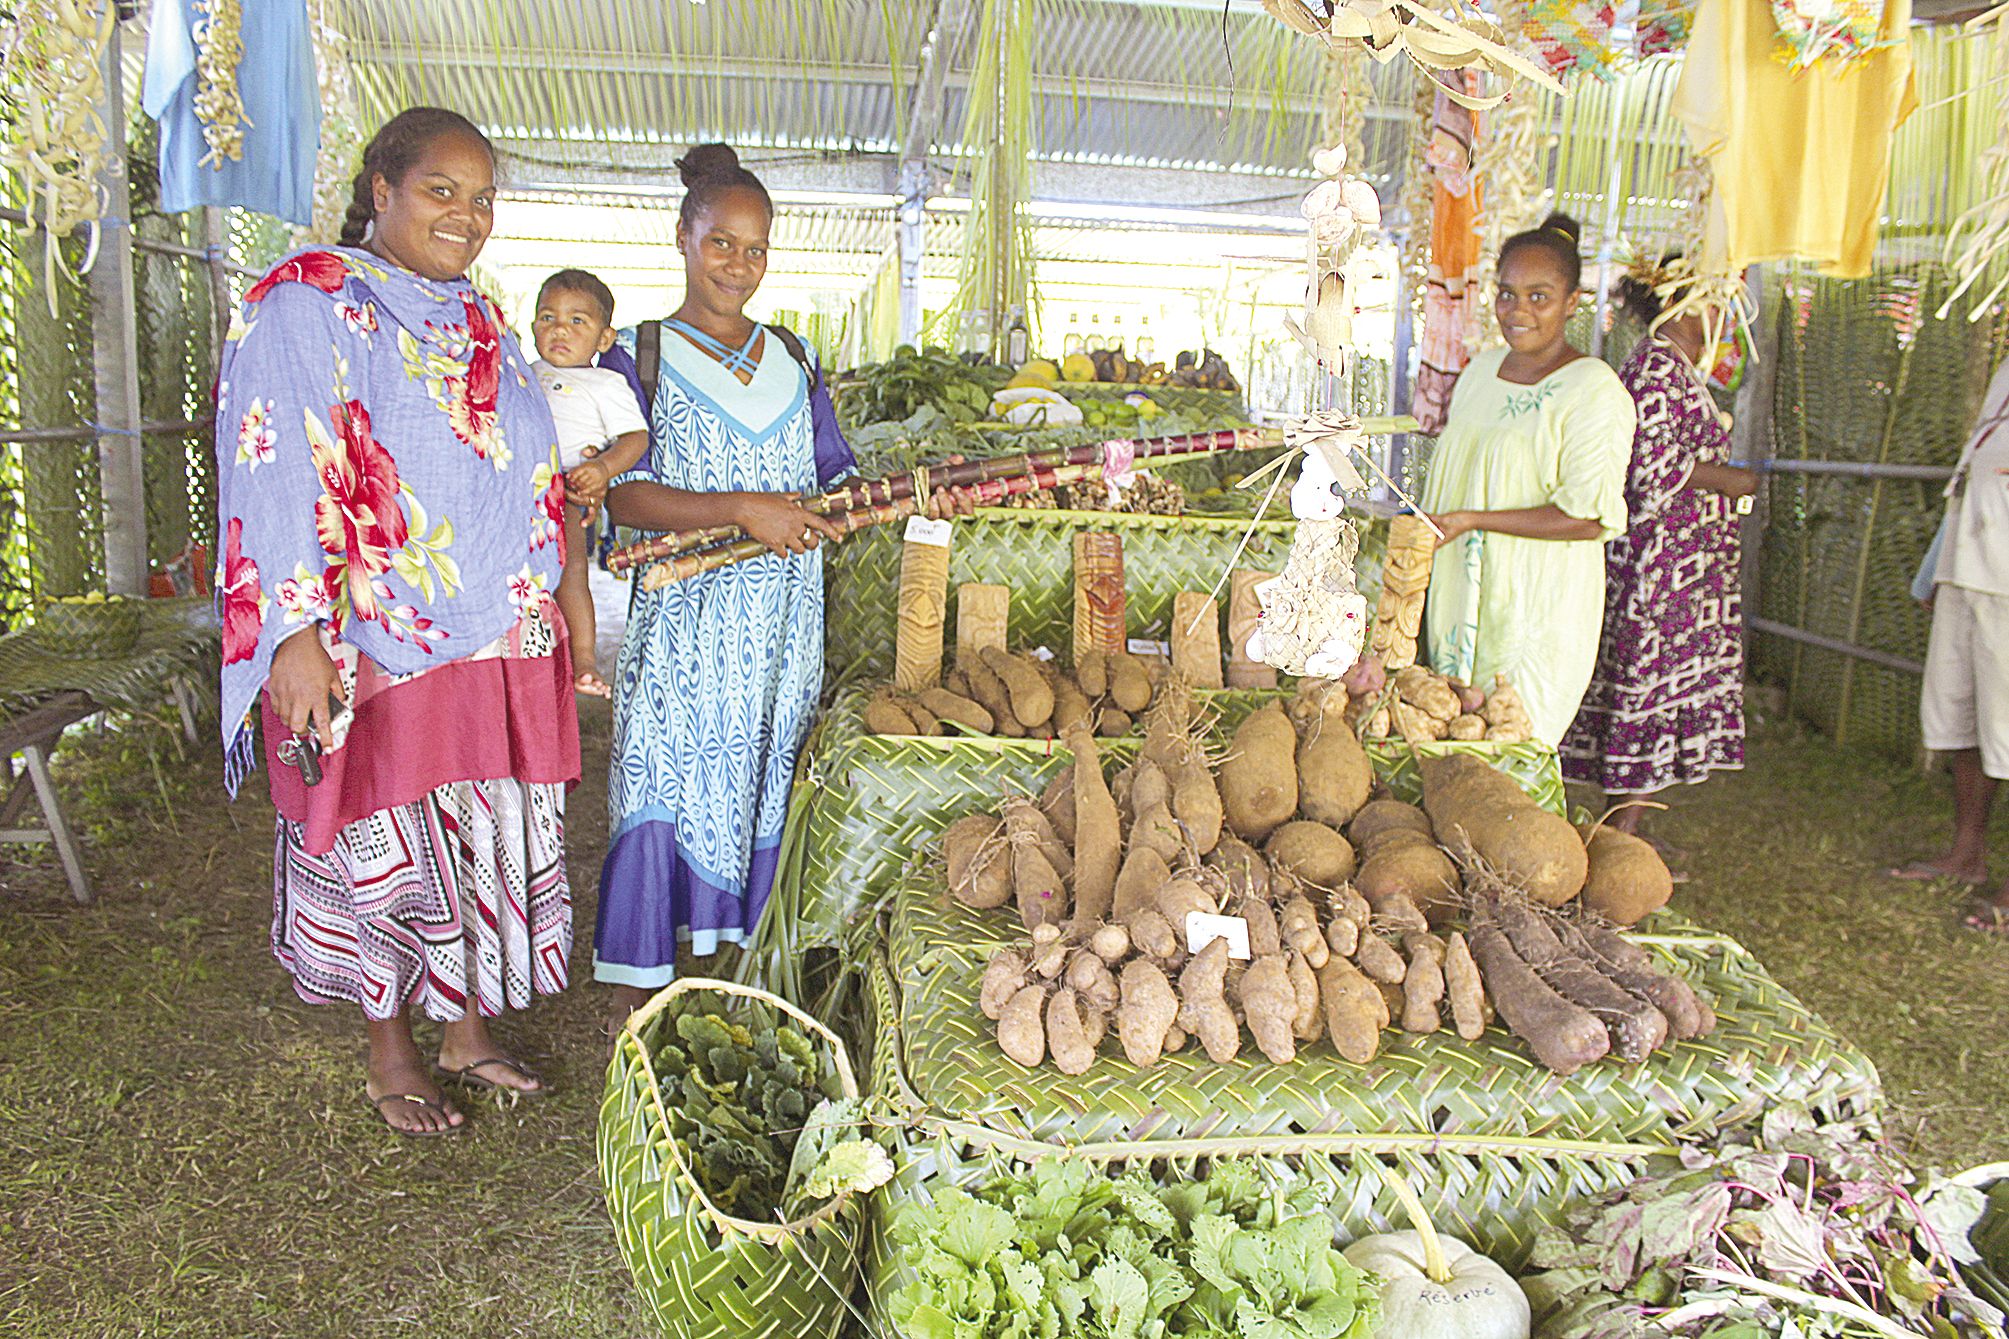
(456, 900)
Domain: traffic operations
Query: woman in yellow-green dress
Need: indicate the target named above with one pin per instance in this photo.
(1527, 483)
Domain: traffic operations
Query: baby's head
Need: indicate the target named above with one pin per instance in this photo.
(575, 319)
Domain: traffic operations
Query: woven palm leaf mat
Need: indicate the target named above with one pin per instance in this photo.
(867, 806)
(1768, 1048)
(177, 637)
(1032, 552)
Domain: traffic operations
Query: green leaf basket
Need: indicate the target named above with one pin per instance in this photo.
(706, 1274)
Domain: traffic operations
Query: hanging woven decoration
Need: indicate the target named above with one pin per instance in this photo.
(1663, 26)
(1385, 29)
(1573, 36)
(219, 47)
(1338, 213)
(341, 151)
(1507, 161)
(1833, 30)
(1314, 620)
(1980, 236)
(52, 58)
(1450, 300)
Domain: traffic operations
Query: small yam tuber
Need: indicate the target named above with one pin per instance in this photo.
(963, 711)
(1688, 1014)
(1112, 722)
(1422, 874)
(1098, 833)
(1309, 1025)
(1627, 880)
(1342, 936)
(1156, 830)
(1066, 1035)
(1149, 1010)
(1355, 1012)
(1265, 935)
(1259, 777)
(1022, 1027)
(1003, 978)
(1423, 987)
(1312, 851)
(1269, 1002)
(1203, 1007)
(1070, 708)
(1466, 728)
(1178, 898)
(1636, 1026)
(980, 871)
(1129, 682)
(1298, 923)
(1196, 801)
(1505, 715)
(1049, 952)
(1563, 1036)
(1399, 915)
(1380, 816)
(1247, 872)
(1423, 689)
(1379, 960)
(1465, 989)
(1144, 872)
(883, 716)
(1153, 935)
(1030, 696)
(1111, 943)
(1037, 886)
(1091, 672)
(1149, 787)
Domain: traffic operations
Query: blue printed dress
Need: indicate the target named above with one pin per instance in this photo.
(717, 684)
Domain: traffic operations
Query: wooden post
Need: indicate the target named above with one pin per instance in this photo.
(924, 595)
(115, 351)
(1099, 622)
(983, 615)
(1196, 639)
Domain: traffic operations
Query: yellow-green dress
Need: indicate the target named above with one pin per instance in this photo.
(1530, 609)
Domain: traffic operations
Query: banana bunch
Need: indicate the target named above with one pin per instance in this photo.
(219, 46)
(51, 58)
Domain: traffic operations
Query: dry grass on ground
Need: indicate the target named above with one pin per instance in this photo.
(189, 1154)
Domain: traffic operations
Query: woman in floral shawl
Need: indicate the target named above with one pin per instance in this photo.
(391, 510)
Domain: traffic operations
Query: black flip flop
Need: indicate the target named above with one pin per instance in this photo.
(446, 1127)
(467, 1077)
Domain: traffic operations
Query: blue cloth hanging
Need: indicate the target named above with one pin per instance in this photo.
(280, 88)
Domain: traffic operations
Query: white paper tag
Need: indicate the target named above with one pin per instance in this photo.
(1203, 929)
(1144, 646)
(921, 530)
(1041, 653)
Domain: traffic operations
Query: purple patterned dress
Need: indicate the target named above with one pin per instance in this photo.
(1666, 706)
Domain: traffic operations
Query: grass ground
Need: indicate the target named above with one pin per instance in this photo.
(188, 1153)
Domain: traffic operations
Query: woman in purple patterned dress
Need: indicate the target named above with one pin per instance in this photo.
(1666, 706)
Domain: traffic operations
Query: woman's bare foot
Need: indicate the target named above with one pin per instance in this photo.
(589, 684)
(401, 1087)
(1953, 867)
(466, 1048)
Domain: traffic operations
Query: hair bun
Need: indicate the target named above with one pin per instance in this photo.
(1562, 223)
(707, 160)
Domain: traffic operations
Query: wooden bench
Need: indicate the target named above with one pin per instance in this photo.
(33, 735)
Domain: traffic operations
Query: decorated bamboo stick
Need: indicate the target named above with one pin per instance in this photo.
(1117, 454)
(679, 566)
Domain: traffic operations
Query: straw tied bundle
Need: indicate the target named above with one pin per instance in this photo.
(868, 502)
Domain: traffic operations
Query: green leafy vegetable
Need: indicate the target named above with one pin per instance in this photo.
(1068, 1252)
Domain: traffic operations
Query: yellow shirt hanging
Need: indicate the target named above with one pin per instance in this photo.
(1801, 158)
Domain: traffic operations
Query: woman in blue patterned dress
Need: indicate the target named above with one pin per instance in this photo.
(719, 674)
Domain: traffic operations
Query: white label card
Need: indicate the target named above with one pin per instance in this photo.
(1144, 646)
(1203, 929)
(921, 530)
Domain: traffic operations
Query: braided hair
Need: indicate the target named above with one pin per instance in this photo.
(1561, 237)
(708, 171)
(391, 153)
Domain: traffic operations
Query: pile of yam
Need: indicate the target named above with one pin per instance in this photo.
(1420, 706)
(996, 692)
(1358, 921)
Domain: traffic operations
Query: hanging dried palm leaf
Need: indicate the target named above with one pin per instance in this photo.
(1387, 28)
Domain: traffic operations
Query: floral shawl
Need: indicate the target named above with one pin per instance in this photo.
(386, 464)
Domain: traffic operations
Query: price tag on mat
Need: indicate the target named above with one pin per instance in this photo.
(921, 530)
(1144, 646)
(1203, 929)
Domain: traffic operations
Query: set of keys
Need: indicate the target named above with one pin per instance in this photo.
(303, 750)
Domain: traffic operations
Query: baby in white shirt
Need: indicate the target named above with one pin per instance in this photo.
(601, 435)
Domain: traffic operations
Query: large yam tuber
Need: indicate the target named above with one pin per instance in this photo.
(1636, 1026)
(1148, 1012)
(1036, 884)
(1026, 688)
(1259, 778)
(1248, 874)
(1071, 709)
(950, 706)
(1333, 774)
(1563, 1036)
(1473, 807)
(1022, 1026)
(1269, 1002)
(1203, 1006)
(980, 872)
(988, 692)
(1355, 1013)
(1312, 851)
(1149, 787)
(1057, 803)
(1688, 1014)
(1144, 872)
(883, 716)
(1465, 988)
(1098, 833)
(1627, 880)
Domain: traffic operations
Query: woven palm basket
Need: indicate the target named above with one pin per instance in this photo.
(706, 1274)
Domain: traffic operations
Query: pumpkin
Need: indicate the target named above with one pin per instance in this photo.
(1436, 1287)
